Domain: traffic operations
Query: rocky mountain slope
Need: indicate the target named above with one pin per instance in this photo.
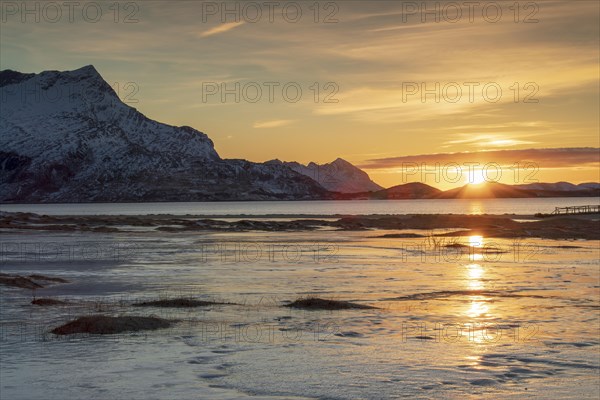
(67, 137)
(337, 176)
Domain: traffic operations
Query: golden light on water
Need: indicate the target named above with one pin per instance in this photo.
(474, 274)
(475, 257)
(475, 271)
(476, 241)
(478, 308)
(476, 207)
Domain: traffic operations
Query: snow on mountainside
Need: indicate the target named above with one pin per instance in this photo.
(337, 176)
(67, 137)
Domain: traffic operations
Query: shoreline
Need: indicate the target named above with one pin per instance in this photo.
(263, 216)
(585, 226)
(307, 209)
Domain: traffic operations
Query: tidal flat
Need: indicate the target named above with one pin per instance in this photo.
(444, 311)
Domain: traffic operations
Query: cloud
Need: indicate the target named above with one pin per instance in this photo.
(273, 124)
(221, 28)
(485, 141)
(542, 158)
(369, 54)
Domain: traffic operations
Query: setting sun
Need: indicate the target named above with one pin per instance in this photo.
(364, 199)
(476, 177)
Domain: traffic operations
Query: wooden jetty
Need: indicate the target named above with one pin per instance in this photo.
(576, 210)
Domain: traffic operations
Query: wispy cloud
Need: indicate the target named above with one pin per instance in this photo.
(486, 141)
(221, 28)
(273, 124)
(369, 55)
(543, 158)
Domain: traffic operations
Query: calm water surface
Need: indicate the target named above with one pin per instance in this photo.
(494, 319)
(358, 207)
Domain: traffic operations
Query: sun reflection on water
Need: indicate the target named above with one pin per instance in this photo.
(475, 207)
(475, 257)
(476, 241)
(478, 308)
(474, 274)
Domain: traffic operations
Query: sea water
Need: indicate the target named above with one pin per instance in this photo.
(494, 318)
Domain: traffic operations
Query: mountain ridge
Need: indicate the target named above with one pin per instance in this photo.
(337, 176)
(67, 137)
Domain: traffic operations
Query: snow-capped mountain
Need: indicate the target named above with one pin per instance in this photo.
(67, 137)
(337, 176)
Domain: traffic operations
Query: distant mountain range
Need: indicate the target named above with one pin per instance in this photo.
(413, 190)
(337, 176)
(67, 137)
(417, 190)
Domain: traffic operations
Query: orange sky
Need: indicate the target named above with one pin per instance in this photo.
(377, 83)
